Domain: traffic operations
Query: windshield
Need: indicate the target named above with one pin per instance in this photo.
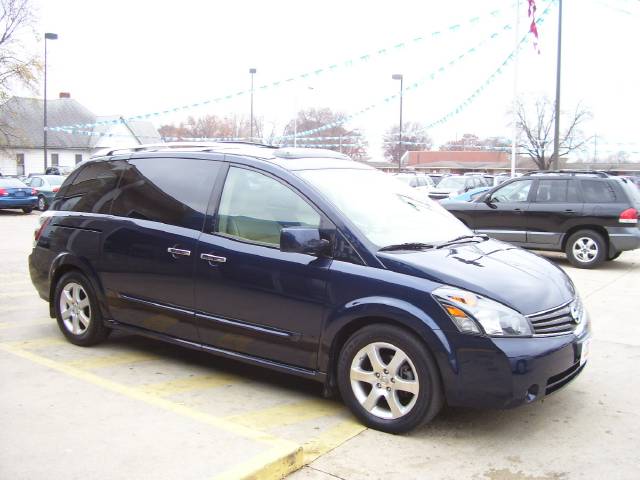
(404, 178)
(55, 179)
(385, 211)
(11, 183)
(452, 182)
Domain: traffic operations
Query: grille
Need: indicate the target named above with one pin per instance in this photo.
(558, 320)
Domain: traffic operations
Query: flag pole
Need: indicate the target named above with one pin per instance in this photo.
(514, 137)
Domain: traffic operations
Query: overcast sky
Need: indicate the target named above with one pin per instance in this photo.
(135, 57)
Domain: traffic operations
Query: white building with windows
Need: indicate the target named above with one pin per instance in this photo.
(22, 134)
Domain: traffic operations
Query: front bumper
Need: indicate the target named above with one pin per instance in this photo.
(508, 372)
(19, 202)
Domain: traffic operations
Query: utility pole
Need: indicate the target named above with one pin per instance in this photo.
(595, 148)
(252, 72)
(514, 136)
(556, 137)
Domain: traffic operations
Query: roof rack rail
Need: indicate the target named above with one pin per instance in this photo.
(155, 147)
(599, 173)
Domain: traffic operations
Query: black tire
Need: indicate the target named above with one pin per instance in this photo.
(586, 249)
(88, 333)
(27, 210)
(423, 407)
(42, 203)
(614, 256)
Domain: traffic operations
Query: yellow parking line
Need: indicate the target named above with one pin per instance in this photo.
(278, 448)
(283, 415)
(35, 343)
(266, 465)
(140, 395)
(91, 363)
(331, 439)
(182, 385)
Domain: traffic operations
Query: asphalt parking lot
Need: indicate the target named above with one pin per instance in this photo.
(134, 408)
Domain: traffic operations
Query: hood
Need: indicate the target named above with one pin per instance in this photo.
(510, 275)
(445, 190)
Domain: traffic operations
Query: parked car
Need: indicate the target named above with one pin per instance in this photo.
(591, 216)
(420, 182)
(455, 185)
(15, 194)
(46, 186)
(306, 262)
(633, 179)
(437, 177)
(466, 196)
(59, 170)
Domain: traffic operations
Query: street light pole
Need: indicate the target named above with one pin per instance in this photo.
(398, 76)
(556, 137)
(47, 36)
(252, 71)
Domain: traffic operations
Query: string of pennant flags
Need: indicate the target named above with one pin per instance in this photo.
(351, 62)
(300, 135)
(432, 75)
(82, 129)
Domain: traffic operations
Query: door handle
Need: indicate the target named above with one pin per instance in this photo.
(568, 210)
(212, 258)
(178, 251)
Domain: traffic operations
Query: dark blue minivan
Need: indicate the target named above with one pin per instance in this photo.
(309, 263)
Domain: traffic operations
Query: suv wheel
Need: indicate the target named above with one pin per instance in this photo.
(79, 317)
(42, 203)
(388, 379)
(586, 249)
(27, 210)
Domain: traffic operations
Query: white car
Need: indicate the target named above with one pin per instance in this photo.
(422, 183)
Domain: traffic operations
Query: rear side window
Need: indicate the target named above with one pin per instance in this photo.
(595, 191)
(92, 189)
(174, 191)
(552, 191)
(256, 208)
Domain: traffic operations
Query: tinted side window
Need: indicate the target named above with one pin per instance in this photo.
(552, 191)
(92, 189)
(36, 182)
(174, 191)
(595, 191)
(256, 207)
(517, 191)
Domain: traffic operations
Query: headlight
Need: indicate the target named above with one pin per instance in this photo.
(473, 313)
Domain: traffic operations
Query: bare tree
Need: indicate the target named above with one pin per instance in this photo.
(18, 67)
(414, 138)
(339, 138)
(211, 126)
(536, 126)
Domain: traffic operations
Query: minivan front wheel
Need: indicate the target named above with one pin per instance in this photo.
(77, 312)
(586, 249)
(388, 379)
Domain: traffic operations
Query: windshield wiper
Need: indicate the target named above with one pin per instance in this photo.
(407, 246)
(462, 239)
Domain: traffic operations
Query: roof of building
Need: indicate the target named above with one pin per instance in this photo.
(21, 121)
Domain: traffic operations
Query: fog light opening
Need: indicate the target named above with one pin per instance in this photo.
(532, 393)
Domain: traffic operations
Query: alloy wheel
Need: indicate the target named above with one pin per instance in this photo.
(75, 308)
(384, 380)
(585, 249)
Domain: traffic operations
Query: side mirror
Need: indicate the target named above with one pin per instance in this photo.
(302, 240)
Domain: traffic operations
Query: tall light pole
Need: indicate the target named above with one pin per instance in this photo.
(398, 76)
(47, 36)
(252, 71)
(556, 136)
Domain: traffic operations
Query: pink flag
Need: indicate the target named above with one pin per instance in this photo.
(533, 28)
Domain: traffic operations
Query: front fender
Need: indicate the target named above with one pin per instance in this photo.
(344, 320)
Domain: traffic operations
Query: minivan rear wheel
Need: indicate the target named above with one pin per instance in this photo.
(388, 379)
(77, 311)
(42, 203)
(586, 249)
